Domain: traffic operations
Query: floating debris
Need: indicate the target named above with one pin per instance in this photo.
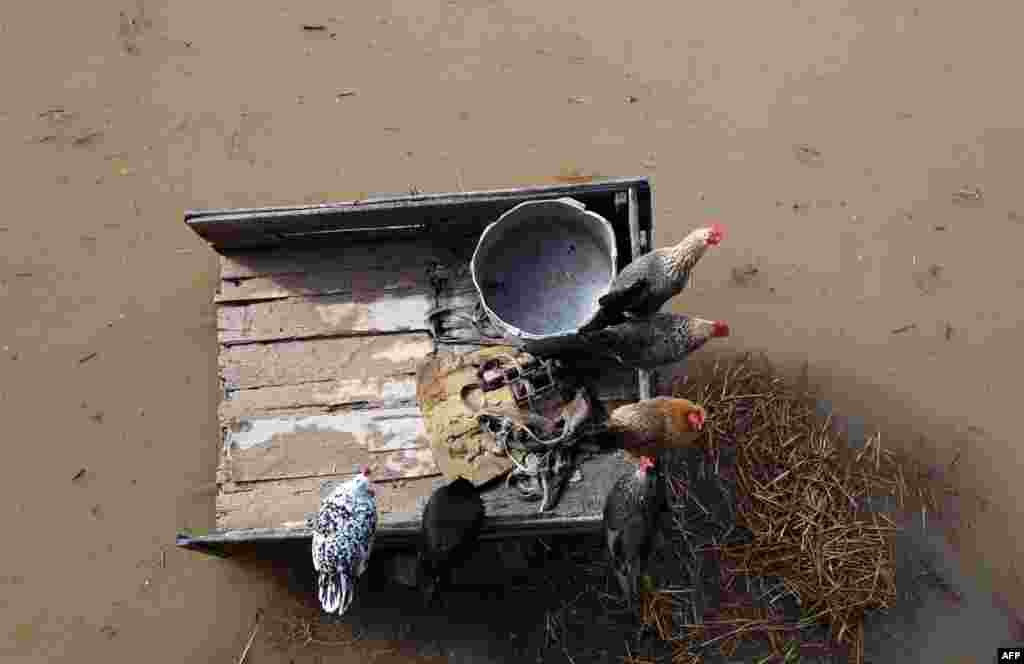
(86, 358)
(314, 27)
(79, 475)
(905, 328)
(968, 194)
(86, 139)
(744, 276)
(808, 155)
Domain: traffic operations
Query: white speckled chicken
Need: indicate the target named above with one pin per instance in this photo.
(343, 537)
(632, 512)
(653, 279)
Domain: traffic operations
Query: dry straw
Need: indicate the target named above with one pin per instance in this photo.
(801, 496)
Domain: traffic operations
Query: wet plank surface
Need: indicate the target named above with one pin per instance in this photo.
(285, 505)
(319, 347)
(289, 446)
(295, 363)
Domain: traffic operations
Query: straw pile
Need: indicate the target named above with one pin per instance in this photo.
(801, 525)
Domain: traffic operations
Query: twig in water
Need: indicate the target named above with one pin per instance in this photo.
(252, 636)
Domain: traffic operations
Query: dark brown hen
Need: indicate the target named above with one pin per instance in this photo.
(452, 520)
(632, 512)
(641, 343)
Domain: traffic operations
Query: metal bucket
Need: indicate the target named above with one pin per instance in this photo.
(540, 268)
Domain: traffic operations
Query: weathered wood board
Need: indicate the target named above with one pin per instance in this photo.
(315, 396)
(290, 446)
(288, 504)
(323, 316)
(320, 360)
(320, 337)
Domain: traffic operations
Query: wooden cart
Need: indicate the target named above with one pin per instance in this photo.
(322, 318)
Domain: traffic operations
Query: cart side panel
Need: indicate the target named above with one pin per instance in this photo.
(428, 213)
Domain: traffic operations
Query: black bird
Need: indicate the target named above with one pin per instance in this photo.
(632, 513)
(451, 524)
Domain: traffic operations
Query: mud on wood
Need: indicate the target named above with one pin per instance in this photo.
(324, 267)
(324, 316)
(287, 504)
(293, 446)
(295, 363)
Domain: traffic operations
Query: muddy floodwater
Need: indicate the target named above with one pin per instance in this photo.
(865, 158)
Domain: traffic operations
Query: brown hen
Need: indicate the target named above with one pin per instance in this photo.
(646, 428)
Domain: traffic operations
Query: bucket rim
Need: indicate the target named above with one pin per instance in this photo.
(507, 328)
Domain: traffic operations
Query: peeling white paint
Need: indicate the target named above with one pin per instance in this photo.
(367, 389)
(399, 313)
(386, 313)
(398, 426)
(399, 389)
(399, 432)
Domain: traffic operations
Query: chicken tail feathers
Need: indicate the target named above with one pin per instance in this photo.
(334, 592)
(605, 317)
(626, 583)
(624, 298)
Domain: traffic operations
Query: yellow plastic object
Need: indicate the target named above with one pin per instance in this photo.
(449, 396)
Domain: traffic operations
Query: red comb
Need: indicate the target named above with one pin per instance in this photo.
(717, 234)
(720, 329)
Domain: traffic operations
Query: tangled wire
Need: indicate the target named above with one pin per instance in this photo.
(548, 462)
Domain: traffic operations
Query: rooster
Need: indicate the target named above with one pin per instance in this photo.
(343, 535)
(632, 512)
(647, 427)
(642, 343)
(653, 279)
(451, 524)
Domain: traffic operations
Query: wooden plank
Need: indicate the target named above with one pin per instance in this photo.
(404, 464)
(332, 282)
(324, 316)
(322, 360)
(442, 213)
(377, 303)
(367, 391)
(285, 505)
(296, 259)
(294, 446)
(297, 271)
